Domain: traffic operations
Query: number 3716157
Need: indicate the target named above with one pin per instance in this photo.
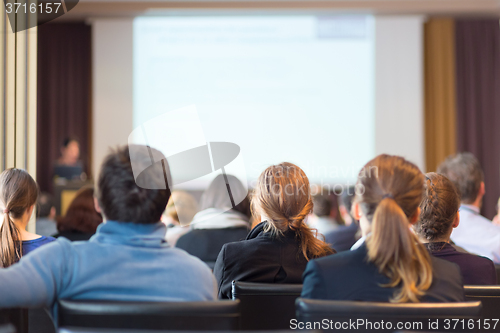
(19, 7)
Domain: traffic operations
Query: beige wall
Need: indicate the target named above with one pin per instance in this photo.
(112, 103)
(18, 52)
(399, 110)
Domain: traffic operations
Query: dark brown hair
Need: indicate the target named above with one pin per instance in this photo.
(465, 173)
(127, 197)
(18, 192)
(392, 189)
(81, 215)
(283, 195)
(438, 208)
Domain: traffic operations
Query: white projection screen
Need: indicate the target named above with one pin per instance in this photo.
(283, 88)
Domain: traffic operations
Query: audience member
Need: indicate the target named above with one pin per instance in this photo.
(475, 233)
(344, 237)
(181, 208)
(438, 216)
(391, 265)
(81, 219)
(46, 214)
(277, 249)
(18, 195)
(218, 222)
(321, 218)
(127, 260)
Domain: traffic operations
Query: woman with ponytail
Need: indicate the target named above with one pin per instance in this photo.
(18, 194)
(438, 217)
(391, 265)
(277, 249)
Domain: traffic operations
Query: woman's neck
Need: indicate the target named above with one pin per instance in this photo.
(21, 225)
(437, 240)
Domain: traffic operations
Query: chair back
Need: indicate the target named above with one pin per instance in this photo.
(489, 297)
(15, 317)
(352, 316)
(497, 269)
(266, 306)
(215, 315)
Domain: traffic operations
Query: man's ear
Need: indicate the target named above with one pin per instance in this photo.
(482, 189)
(415, 216)
(96, 206)
(456, 221)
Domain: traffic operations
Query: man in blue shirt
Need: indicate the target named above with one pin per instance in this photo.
(127, 259)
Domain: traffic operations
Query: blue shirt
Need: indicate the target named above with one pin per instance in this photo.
(30, 245)
(122, 262)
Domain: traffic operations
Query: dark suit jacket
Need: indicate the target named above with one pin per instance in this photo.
(207, 243)
(475, 270)
(348, 276)
(342, 238)
(260, 258)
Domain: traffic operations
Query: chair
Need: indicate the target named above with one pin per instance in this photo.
(216, 315)
(40, 321)
(15, 317)
(266, 306)
(7, 328)
(352, 316)
(93, 330)
(497, 268)
(489, 297)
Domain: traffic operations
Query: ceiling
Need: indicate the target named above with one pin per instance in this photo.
(87, 9)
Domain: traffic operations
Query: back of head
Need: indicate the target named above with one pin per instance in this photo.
(392, 190)
(81, 215)
(44, 204)
(18, 192)
(322, 205)
(346, 198)
(181, 207)
(438, 208)
(217, 196)
(465, 172)
(283, 195)
(121, 198)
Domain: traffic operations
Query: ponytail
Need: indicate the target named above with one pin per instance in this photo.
(18, 192)
(397, 253)
(311, 246)
(283, 195)
(10, 242)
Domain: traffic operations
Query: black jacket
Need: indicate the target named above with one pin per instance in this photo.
(207, 243)
(348, 276)
(342, 238)
(260, 258)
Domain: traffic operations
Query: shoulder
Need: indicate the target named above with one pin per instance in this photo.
(338, 265)
(444, 270)
(186, 260)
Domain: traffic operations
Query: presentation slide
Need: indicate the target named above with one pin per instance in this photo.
(282, 88)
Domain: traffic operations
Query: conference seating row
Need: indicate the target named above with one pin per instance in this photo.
(261, 307)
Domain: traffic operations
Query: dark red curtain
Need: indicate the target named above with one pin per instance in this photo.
(478, 99)
(64, 99)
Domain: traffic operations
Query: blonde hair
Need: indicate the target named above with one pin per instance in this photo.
(283, 195)
(181, 207)
(391, 195)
